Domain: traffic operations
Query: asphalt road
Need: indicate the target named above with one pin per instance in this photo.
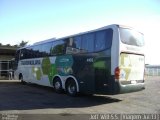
(16, 98)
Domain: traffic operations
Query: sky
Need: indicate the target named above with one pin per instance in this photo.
(37, 20)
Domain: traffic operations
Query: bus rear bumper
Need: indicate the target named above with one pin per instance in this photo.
(131, 87)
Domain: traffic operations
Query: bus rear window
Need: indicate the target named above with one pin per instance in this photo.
(131, 37)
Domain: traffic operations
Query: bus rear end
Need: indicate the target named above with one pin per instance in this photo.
(130, 70)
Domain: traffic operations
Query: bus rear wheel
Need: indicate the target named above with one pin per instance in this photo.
(71, 88)
(57, 85)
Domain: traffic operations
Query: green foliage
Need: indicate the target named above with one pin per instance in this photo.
(23, 43)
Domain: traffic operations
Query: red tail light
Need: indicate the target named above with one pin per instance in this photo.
(117, 73)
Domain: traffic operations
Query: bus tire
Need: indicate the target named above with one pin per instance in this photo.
(71, 88)
(21, 79)
(57, 84)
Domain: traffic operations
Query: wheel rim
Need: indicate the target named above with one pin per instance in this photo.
(57, 85)
(71, 89)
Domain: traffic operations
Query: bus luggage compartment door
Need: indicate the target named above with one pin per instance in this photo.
(102, 66)
(84, 72)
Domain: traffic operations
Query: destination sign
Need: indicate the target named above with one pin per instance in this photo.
(31, 62)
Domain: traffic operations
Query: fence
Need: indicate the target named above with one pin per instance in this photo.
(152, 70)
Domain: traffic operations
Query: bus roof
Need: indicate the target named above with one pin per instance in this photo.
(81, 33)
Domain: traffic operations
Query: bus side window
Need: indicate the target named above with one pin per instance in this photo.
(77, 41)
(22, 54)
(88, 42)
(103, 39)
(73, 45)
(46, 49)
(29, 53)
(109, 37)
(57, 47)
(100, 42)
(37, 51)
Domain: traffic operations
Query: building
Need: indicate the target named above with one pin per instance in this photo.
(152, 70)
(7, 54)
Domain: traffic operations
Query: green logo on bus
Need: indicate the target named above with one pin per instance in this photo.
(64, 65)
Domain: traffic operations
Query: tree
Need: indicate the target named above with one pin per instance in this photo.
(23, 43)
(8, 45)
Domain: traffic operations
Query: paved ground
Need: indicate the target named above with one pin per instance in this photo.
(34, 99)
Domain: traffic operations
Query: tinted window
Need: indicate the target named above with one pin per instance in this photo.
(31, 53)
(69, 42)
(37, 51)
(88, 42)
(100, 42)
(46, 49)
(73, 45)
(77, 41)
(109, 37)
(103, 39)
(58, 47)
(23, 54)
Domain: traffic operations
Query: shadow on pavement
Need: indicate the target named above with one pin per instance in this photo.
(14, 96)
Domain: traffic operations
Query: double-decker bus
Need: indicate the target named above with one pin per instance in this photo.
(108, 60)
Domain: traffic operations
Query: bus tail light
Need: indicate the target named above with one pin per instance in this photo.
(117, 73)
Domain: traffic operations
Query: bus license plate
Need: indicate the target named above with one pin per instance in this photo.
(133, 82)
